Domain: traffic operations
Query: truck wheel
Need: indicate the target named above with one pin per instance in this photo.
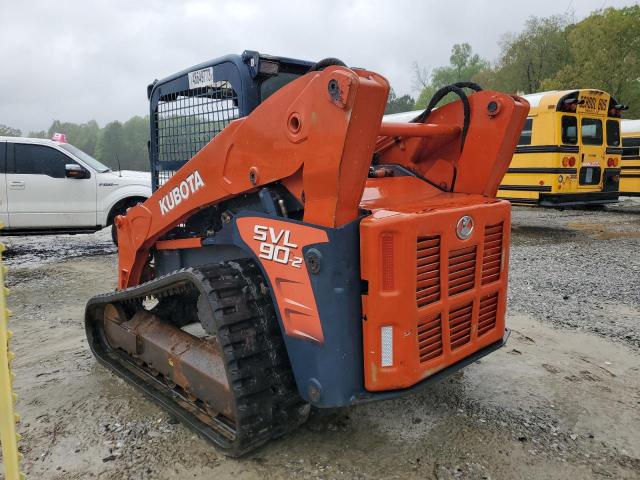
(121, 208)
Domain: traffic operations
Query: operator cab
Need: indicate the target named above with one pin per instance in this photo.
(191, 107)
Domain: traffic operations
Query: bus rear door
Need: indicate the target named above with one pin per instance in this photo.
(591, 156)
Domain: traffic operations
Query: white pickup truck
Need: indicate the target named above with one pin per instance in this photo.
(54, 187)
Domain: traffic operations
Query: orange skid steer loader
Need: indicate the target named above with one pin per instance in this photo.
(298, 250)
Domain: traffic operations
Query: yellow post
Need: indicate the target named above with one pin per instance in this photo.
(8, 418)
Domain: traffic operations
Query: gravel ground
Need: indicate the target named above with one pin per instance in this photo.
(561, 400)
(579, 269)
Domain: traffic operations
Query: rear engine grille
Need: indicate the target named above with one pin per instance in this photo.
(492, 256)
(488, 313)
(428, 272)
(460, 325)
(430, 339)
(462, 269)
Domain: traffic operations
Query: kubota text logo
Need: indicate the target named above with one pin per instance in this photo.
(188, 186)
(276, 246)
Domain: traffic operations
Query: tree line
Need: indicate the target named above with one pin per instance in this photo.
(551, 53)
(602, 51)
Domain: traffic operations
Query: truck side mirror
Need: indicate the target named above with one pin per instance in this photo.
(73, 170)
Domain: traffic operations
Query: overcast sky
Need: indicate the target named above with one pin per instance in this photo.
(91, 59)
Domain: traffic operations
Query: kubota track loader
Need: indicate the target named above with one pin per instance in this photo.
(300, 251)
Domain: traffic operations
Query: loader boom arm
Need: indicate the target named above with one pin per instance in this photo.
(326, 122)
(322, 130)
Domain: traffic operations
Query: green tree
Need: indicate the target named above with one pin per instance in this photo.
(425, 95)
(396, 104)
(83, 135)
(7, 131)
(605, 48)
(110, 148)
(464, 65)
(533, 55)
(40, 134)
(136, 135)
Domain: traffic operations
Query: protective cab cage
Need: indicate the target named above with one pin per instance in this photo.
(189, 108)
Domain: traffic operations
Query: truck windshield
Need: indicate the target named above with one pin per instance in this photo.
(85, 157)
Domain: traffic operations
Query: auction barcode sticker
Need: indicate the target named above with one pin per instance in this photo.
(201, 78)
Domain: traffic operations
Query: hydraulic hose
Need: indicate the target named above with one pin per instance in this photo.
(456, 88)
(470, 85)
(439, 95)
(327, 62)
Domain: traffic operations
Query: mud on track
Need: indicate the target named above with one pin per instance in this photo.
(561, 400)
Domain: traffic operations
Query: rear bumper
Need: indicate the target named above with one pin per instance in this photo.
(367, 397)
(577, 199)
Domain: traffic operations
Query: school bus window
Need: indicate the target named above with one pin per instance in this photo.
(569, 129)
(591, 131)
(631, 147)
(525, 135)
(613, 133)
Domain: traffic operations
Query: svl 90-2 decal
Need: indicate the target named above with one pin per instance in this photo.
(278, 245)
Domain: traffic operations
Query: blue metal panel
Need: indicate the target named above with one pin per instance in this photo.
(328, 374)
(333, 369)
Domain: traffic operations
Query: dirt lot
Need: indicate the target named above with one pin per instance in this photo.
(561, 400)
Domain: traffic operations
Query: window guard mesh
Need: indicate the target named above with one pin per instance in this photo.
(186, 121)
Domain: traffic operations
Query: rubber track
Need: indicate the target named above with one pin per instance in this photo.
(235, 306)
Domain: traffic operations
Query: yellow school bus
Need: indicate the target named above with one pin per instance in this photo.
(630, 173)
(569, 151)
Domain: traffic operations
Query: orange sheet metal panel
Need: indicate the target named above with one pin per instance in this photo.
(443, 296)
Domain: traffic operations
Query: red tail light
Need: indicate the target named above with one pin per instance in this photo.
(572, 161)
(611, 162)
